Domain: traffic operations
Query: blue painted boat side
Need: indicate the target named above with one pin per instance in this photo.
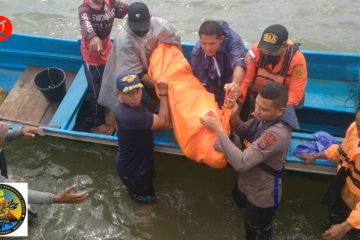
(71, 102)
(333, 86)
(21, 50)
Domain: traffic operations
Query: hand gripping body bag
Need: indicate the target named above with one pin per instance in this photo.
(188, 100)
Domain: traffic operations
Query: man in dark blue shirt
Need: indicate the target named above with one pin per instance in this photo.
(217, 60)
(135, 156)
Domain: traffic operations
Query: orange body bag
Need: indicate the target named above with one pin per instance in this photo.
(188, 100)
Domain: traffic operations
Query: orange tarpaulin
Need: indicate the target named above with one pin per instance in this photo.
(188, 100)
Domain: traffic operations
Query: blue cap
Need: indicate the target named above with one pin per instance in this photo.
(127, 81)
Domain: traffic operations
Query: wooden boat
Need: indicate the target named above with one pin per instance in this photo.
(332, 94)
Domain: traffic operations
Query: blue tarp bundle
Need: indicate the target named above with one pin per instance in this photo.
(322, 141)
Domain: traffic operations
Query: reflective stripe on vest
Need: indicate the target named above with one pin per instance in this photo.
(353, 186)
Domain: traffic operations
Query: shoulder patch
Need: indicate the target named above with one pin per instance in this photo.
(266, 141)
(298, 71)
(249, 56)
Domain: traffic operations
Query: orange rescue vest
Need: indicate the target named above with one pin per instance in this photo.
(263, 76)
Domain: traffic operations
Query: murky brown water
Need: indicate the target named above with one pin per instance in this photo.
(192, 198)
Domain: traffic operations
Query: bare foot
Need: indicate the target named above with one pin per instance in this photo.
(103, 129)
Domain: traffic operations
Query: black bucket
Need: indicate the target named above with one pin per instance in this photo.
(51, 83)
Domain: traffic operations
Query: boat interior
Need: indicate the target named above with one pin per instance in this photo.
(331, 95)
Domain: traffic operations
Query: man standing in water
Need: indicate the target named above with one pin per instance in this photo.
(133, 45)
(217, 59)
(261, 164)
(96, 21)
(135, 156)
(343, 196)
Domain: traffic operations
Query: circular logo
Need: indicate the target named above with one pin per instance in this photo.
(298, 72)
(12, 209)
(5, 28)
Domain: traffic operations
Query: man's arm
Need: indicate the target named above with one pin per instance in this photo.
(296, 79)
(354, 218)
(241, 127)
(22, 131)
(237, 55)
(121, 9)
(196, 64)
(250, 60)
(238, 75)
(331, 153)
(162, 120)
(85, 23)
(338, 231)
(13, 134)
(268, 144)
(310, 157)
(147, 79)
(87, 29)
(234, 86)
(36, 197)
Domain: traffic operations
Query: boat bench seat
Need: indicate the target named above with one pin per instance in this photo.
(330, 95)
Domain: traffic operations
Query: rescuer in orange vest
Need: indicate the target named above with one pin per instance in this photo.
(274, 58)
(343, 196)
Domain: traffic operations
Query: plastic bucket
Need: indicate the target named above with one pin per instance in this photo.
(51, 83)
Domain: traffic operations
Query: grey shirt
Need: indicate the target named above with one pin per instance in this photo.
(131, 53)
(13, 134)
(34, 197)
(270, 147)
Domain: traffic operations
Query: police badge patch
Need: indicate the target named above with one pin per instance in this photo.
(266, 141)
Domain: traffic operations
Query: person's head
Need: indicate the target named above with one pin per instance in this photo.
(273, 43)
(139, 18)
(357, 119)
(211, 37)
(129, 88)
(4, 128)
(271, 101)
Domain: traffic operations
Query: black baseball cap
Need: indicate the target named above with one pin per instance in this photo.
(138, 16)
(273, 38)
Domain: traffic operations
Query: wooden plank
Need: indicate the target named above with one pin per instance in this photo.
(109, 122)
(15, 121)
(25, 102)
(45, 120)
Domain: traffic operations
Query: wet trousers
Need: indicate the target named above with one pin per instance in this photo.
(258, 221)
(94, 76)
